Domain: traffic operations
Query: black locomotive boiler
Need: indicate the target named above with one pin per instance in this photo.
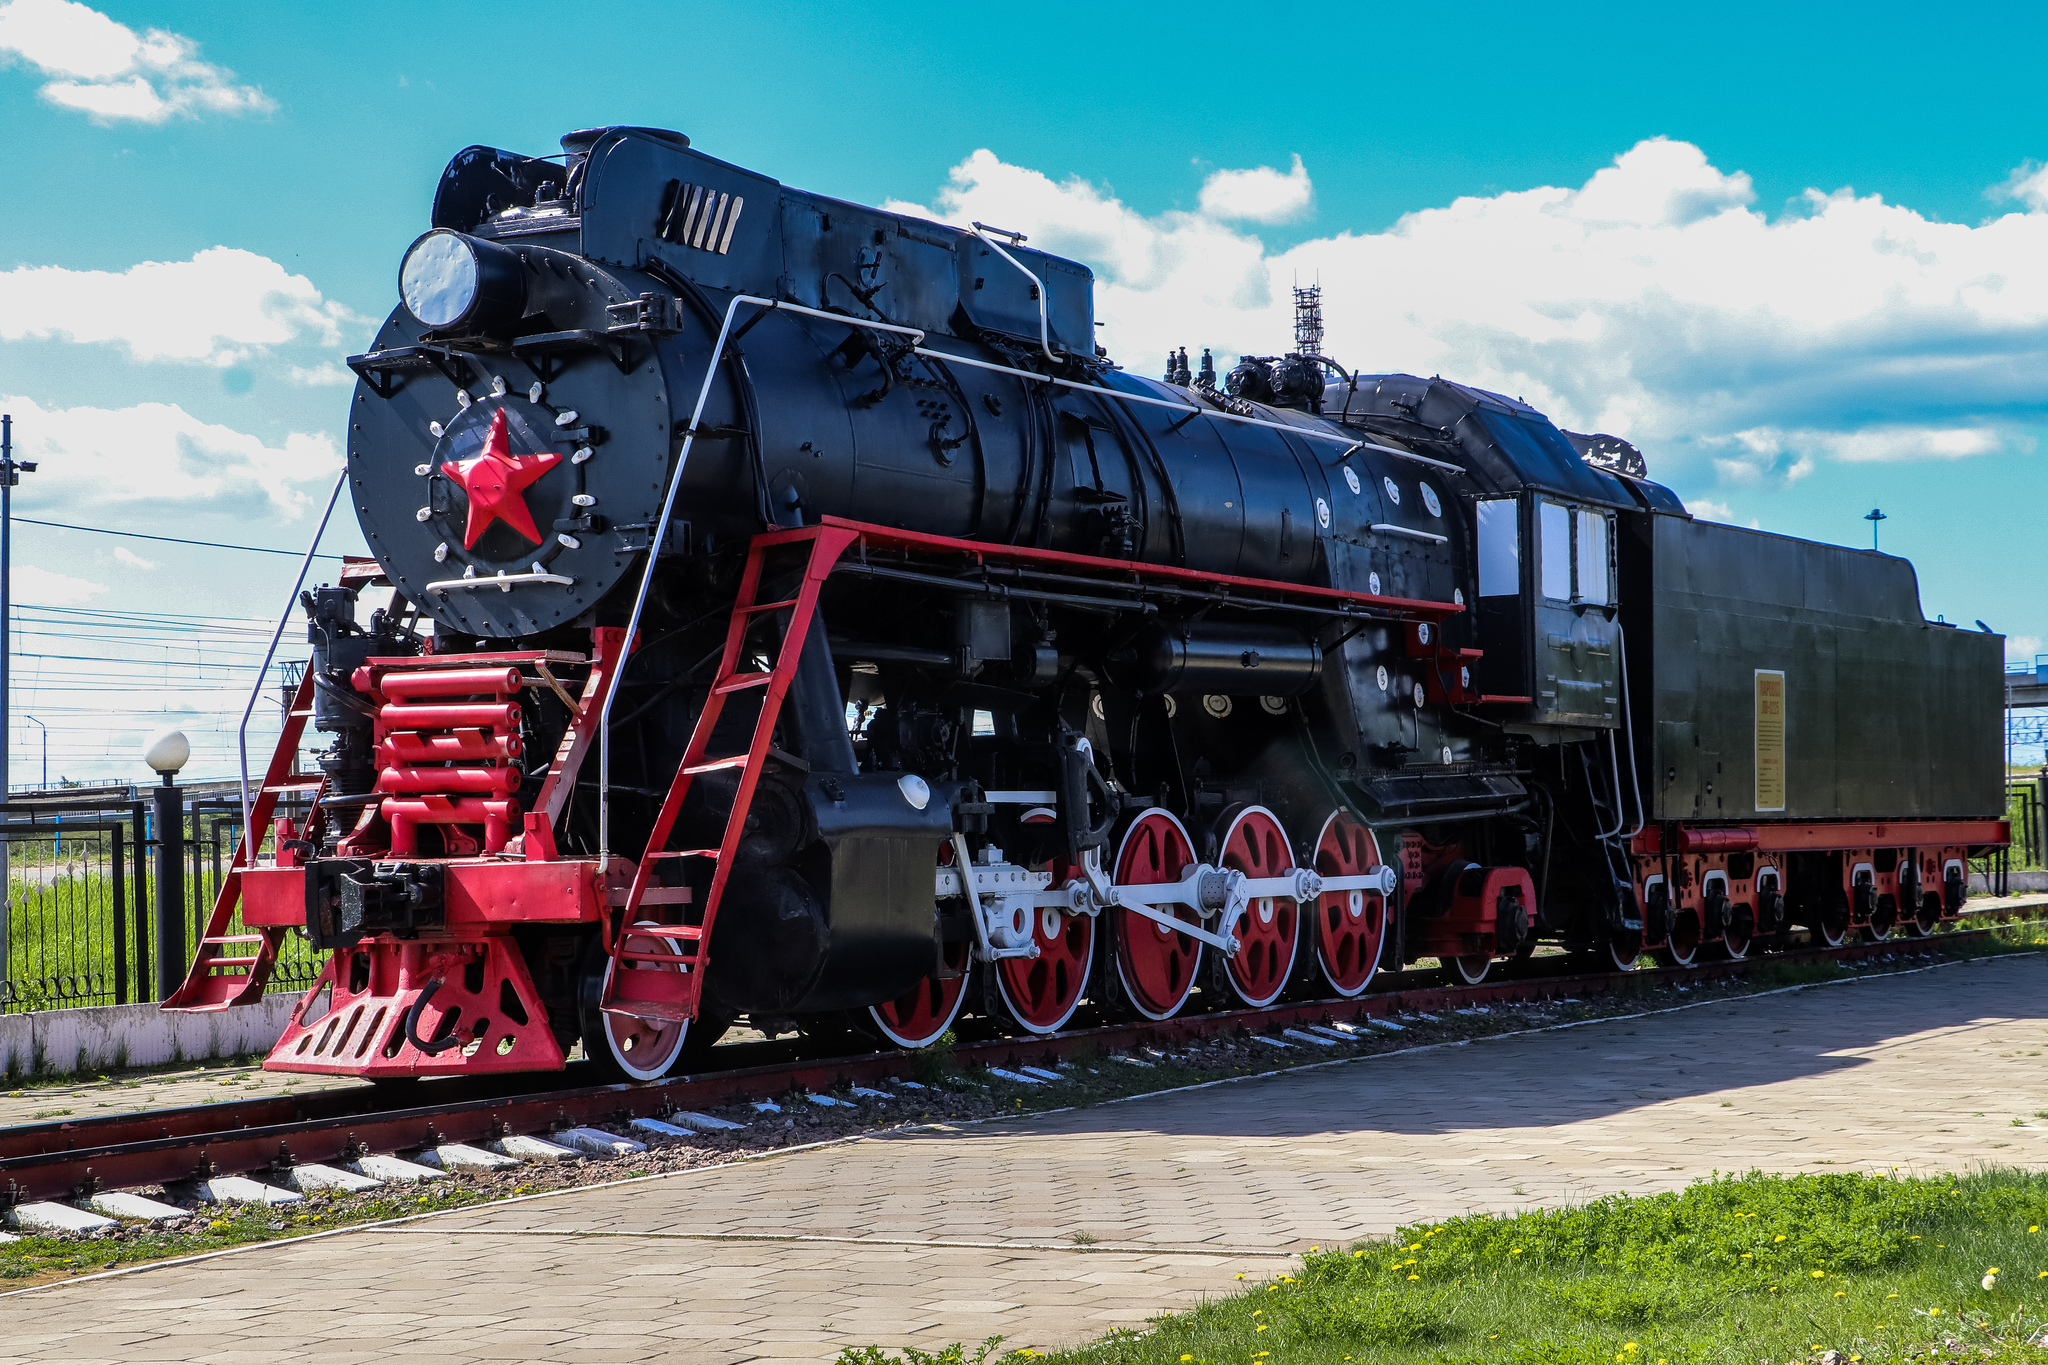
(797, 618)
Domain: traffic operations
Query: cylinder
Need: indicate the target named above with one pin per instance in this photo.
(497, 716)
(406, 747)
(448, 682)
(437, 780)
(1716, 840)
(1226, 657)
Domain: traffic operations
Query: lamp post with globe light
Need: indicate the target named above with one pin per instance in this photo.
(167, 752)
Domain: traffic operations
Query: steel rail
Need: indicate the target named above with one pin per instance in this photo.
(68, 1160)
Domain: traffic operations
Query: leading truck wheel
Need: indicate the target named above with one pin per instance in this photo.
(1269, 930)
(1350, 926)
(624, 1046)
(1155, 964)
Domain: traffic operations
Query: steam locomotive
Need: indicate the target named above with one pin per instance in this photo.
(795, 617)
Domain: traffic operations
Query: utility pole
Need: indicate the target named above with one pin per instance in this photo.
(10, 475)
(1874, 516)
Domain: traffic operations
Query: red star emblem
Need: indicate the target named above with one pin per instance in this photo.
(496, 483)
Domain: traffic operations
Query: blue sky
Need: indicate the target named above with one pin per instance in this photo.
(1801, 256)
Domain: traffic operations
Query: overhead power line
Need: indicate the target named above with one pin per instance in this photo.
(172, 540)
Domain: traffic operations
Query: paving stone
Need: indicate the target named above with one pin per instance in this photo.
(393, 1169)
(597, 1142)
(534, 1149)
(122, 1204)
(236, 1189)
(460, 1156)
(317, 1179)
(53, 1217)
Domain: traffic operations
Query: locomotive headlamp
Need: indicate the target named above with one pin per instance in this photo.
(452, 282)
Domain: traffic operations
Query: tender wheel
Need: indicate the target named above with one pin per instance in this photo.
(1681, 946)
(1927, 920)
(1269, 930)
(1831, 926)
(1470, 969)
(1883, 920)
(622, 1045)
(1350, 926)
(1741, 932)
(1622, 949)
(1041, 993)
(1155, 964)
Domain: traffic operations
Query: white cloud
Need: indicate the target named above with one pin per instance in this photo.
(2028, 183)
(107, 70)
(1259, 195)
(159, 455)
(324, 375)
(48, 588)
(2022, 648)
(1712, 511)
(124, 555)
(1652, 301)
(220, 308)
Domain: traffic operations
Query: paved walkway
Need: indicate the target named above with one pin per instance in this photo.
(1181, 1192)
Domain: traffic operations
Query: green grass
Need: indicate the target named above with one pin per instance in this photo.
(1757, 1268)
(60, 930)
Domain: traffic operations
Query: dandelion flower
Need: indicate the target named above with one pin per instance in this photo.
(1414, 1277)
(1185, 1359)
(1820, 1274)
(1779, 1238)
(1262, 1327)
(2035, 1227)
(1891, 1296)
(1989, 1282)
(1516, 1252)
(1841, 1293)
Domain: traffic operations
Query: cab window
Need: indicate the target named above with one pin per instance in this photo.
(1574, 554)
(1500, 548)
(1592, 557)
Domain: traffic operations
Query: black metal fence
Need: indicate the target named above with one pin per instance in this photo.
(78, 926)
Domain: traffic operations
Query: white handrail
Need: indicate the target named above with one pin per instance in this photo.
(249, 839)
(1037, 285)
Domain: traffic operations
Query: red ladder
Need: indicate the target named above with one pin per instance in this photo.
(651, 992)
(245, 974)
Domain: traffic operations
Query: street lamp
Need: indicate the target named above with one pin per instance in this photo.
(46, 748)
(1874, 516)
(168, 751)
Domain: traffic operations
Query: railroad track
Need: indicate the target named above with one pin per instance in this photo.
(78, 1159)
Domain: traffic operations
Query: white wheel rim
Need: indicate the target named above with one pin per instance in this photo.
(1465, 973)
(624, 1061)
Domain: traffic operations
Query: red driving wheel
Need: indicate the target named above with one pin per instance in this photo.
(1350, 925)
(1155, 963)
(1041, 993)
(1269, 930)
(920, 1017)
